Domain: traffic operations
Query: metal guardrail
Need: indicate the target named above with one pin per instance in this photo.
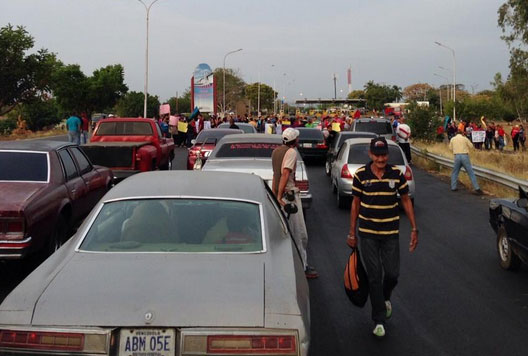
(485, 173)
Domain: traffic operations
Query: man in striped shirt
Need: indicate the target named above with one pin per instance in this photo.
(375, 205)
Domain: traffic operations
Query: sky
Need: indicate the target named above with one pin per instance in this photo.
(295, 46)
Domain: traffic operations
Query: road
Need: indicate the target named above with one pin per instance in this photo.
(452, 297)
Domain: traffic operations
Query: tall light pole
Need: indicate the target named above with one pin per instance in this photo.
(147, 8)
(227, 54)
(258, 96)
(440, 91)
(450, 72)
(454, 75)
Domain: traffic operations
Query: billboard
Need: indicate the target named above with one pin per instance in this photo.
(203, 93)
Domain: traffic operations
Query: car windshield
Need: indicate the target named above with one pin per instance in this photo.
(345, 136)
(310, 134)
(211, 136)
(358, 154)
(378, 127)
(23, 166)
(246, 128)
(176, 225)
(246, 149)
(124, 128)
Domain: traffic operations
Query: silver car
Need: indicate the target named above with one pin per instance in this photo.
(168, 264)
(251, 153)
(379, 126)
(354, 154)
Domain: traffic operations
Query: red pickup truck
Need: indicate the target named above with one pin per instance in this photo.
(129, 146)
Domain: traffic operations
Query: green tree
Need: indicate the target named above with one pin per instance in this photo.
(423, 121)
(38, 113)
(416, 92)
(267, 95)
(105, 87)
(182, 104)
(71, 88)
(356, 94)
(379, 94)
(22, 76)
(234, 89)
(131, 105)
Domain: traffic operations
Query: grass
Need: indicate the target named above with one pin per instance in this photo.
(30, 134)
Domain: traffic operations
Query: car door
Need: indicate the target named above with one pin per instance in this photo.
(338, 163)
(163, 150)
(95, 182)
(74, 184)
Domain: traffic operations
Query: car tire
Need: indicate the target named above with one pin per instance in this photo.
(508, 260)
(327, 168)
(59, 235)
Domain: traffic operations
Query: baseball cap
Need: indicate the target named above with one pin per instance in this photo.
(289, 135)
(379, 146)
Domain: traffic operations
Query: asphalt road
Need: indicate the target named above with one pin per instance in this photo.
(452, 297)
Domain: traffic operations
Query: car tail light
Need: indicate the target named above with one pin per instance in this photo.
(303, 185)
(322, 145)
(234, 344)
(345, 173)
(11, 229)
(38, 340)
(393, 138)
(408, 173)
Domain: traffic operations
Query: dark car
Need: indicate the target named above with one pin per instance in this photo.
(338, 141)
(47, 188)
(509, 219)
(312, 143)
(379, 126)
(244, 126)
(205, 142)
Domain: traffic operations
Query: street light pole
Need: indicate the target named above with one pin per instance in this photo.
(454, 76)
(440, 91)
(147, 8)
(258, 96)
(227, 54)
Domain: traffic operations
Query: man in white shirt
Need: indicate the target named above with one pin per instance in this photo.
(403, 133)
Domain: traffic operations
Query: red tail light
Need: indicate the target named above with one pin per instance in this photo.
(345, 173)
(11, 229)
(235, 344)
(393, 138)
(408, 173)
(321, 145)
(303, 185)
(41, 340)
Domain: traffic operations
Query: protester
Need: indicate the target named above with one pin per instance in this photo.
(403, 133)
(173, 127)
(85, 127)
(232, 124)
(500, 137)
(183, 127)
(284, 162)
(73, 124)
(490, 133)
(515, 137)
(522, 137)
(460, 145)
(375, 205)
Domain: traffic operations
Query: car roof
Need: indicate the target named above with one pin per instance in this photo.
(220, 131)
(367, 119)
(189, 184)
(34, 145)
(362, 140)
(251, 137)
(119, 119)
(236, 123)
(357, 133)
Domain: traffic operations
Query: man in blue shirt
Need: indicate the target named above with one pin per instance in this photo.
(73, 124)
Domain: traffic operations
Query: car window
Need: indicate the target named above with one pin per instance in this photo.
(340, 154)
(246, 149)
(212, 136)
(246, 128)
(23, 166)
(313, 134)
(176, 225)
(378, 127)
(82, 161)
(358, 154)
(158, 129)
(67, 163)
(124, 128)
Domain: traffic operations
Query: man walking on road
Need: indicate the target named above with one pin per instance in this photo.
(284, 162)
(460, 145)
(73, 125)
(375, 205)
(403, 133)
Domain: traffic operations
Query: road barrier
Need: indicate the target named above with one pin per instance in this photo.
(480, 172)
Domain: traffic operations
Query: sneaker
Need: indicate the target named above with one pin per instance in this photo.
(479, 192)
(379, 330)
(454, 190)
(388, 309)
(310, 272)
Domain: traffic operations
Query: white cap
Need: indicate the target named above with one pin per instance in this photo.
(289, 135)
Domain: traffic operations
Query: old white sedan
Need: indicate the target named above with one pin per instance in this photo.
(168, 263)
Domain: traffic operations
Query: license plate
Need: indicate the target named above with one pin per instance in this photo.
(308, 145)
(147, 342)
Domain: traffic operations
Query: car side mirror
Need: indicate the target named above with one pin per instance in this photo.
(522, 203)
(193, 141)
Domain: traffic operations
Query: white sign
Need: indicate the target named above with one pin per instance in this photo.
(478, 136)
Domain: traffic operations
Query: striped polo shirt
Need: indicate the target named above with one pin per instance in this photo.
(379, 212)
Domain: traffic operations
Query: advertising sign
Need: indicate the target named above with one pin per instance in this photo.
(203, 89)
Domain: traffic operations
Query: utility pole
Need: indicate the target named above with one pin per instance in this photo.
(335, 87)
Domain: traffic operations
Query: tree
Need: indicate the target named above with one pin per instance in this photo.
(234, 89)
(423, 121)
(181, 104)
(416, 92)
(22, 76)
(267, 95)
(379, 94)
(105, 87)
(356, 94)
(38, 112)
(70, 88)
(131, 105)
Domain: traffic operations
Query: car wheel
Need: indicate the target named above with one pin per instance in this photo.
(59, 235)
(327, 168)
(508, 259)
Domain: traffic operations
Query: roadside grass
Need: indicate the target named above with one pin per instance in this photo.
(490, 188)
(31, 134)
(508, 162)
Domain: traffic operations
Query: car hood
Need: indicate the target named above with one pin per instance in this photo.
(259, 166)
(178, 289)
(15, 195)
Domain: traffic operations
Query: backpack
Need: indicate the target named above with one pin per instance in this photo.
(356, 281)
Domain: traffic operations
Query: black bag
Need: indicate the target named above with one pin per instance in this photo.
(356, 281)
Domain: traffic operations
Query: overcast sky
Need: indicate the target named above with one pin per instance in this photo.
(307, 41)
